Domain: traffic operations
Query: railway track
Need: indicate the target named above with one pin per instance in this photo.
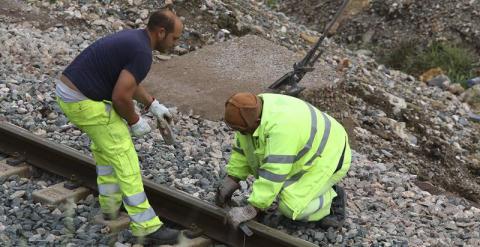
(173, 205)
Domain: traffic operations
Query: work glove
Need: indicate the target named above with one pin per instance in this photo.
(238, 215)
(160, 111)
(140, 128)
(225, 191)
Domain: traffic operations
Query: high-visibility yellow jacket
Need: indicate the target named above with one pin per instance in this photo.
(293, 136)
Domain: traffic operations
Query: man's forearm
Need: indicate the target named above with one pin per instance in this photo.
(126, 109)
(141, 95)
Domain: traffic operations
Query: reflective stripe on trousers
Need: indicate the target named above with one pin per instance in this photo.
(135, 200)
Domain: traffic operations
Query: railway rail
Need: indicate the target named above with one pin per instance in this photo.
(176, 206)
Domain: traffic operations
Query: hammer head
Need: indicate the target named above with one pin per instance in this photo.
(166, 131)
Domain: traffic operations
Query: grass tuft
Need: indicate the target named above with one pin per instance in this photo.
(457, 62)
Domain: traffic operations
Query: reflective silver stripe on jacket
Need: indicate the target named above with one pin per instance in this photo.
(323, 142)
(285, 159)
(313, 133)
(279, 159)
(271, 176)
(135, 200)
(294, 179)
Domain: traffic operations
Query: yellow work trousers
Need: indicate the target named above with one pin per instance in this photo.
(118, 171)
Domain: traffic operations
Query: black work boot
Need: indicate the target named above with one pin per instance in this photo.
(272, 219)
(164, 235)
(337, 211)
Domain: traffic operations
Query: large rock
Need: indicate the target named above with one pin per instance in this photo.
(441, 81)
(397, 103)
(456, 88)
(472, 97)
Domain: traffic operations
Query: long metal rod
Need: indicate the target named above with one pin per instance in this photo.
(176, 206)
(307, 61)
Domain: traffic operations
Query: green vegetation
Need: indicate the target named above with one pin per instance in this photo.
(457, 62)
(271, 3)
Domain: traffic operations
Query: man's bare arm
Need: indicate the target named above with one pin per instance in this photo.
(122, 97)
(141, 95)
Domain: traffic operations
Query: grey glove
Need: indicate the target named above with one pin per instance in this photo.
(238, 215)
(225, 191)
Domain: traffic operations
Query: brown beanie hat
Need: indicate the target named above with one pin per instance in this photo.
(242, 111)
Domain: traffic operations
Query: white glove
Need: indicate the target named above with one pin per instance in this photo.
(140, 128)
(160, 111)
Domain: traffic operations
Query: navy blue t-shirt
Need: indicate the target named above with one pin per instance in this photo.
(96, 69)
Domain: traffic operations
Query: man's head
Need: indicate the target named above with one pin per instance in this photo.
(243, 112)
(165, 29)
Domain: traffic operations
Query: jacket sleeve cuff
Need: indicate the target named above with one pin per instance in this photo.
(237, 172)
(258, 205)
(237, 176)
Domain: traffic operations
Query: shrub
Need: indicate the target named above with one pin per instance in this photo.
(458, 62)
(271, 3)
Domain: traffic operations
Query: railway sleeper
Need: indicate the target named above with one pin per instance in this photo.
(57, 194)
(185, 238)
(6, 170)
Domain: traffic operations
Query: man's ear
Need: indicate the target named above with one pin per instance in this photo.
(162, 33)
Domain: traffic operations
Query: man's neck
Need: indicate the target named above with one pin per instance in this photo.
(152, 38)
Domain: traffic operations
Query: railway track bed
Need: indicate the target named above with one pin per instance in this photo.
(28, 152)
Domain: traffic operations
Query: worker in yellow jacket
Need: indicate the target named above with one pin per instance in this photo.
(297, 154)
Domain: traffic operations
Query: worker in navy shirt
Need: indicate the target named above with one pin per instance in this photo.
(96, 93)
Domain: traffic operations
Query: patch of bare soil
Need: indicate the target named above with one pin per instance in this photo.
(18, 12)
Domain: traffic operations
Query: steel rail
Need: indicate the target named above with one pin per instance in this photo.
(176, 206)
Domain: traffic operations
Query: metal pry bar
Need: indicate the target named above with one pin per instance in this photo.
(288, 83)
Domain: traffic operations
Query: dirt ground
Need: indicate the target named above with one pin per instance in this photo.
(18, 12)
(203, 80)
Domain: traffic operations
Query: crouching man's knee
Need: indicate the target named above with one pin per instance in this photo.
(315, 210)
